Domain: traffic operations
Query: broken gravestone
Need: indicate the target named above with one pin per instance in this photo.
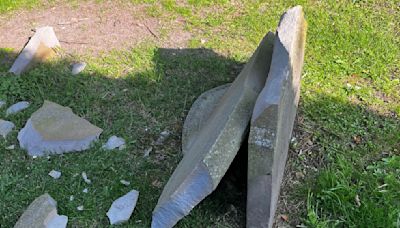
(210, 154)
(122, 208)
(272, 121)
(39, 48)
(5, 127)
(42, 213)
(55, 129)
(199, 113)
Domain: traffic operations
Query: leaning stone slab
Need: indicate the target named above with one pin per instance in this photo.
(273, 118)
(39, 48)
(42, 213)
(5, 127)
(54, 129)
(199, 113)
(210, 154)
(122, 208)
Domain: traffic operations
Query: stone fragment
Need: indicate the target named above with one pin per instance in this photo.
(59, 221)
(54, 129)
(272, 121)
(199, 113)
(17, 107)
(122, 208)
(42, 212)
(163, 136)
(114, 142)
(40, 47)
(85, 178)
(11, 147)
(80, 208)
(5, 127)
(71, 198)
(124, 182)
(147, 152)
(2, 103)
(55, 174)
(78, 67)
(85, 190)
(209, 156)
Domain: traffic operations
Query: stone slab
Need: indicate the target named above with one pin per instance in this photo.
(216, 144)
(41, 213)
(273, 118)
(55, 129)
(199, 113)
(39, 48)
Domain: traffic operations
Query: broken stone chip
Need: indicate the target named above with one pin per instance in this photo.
(39, 48)
(122, 208)
(85, 178)
(209, 156)
(5, 127)
(55, 174)
(55, 129)
(273, 118)
(78, 67)
(199, 113)
(114, 142)
(17, 107)
(42, 212)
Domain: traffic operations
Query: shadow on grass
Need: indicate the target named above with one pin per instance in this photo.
(138, 106)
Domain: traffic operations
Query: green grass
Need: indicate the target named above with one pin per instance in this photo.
(10, 5)
(349, 109)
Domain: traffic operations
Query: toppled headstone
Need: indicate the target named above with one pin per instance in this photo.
(55, 174)
(114, 142)
(211, 153)
(199, 113)
(42, 212)
(55, 129)
(5, 127)
(39, 48)
(122, 208)
(85, 178)
(2, 103)
(17, 107)
(273, 118)
(78, 67)
(163, 136)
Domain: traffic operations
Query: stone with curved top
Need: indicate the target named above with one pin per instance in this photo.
(273, 118)
(199, 113)
(216, 144)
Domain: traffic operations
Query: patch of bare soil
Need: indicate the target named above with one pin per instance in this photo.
(93, 27)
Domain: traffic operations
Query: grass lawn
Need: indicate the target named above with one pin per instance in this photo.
(344, 164)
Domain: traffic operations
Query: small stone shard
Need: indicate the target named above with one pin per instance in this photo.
(11, 147)
(209, 156)
(80, 208)
(163, 136)
(40, 47)
(199, 113)
(42, 212)
(147, 152)
(15, 108)
(272, 121)
(122, 208)
(55, 174)
(124, 182)
(85, 178)
(78, 67)
(5, 127)
(54, 129)
(85, 190)
(114, 142)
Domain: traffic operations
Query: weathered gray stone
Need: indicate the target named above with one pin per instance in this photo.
(17, 107)
(2, 103)
(78, 67)
(122, 208)
(199, 113)
(42, 213)
(5, 127)
(273, 118)
(54, 129)
(39, 48)
(209, 156)
(114, 142)
(55, 174)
